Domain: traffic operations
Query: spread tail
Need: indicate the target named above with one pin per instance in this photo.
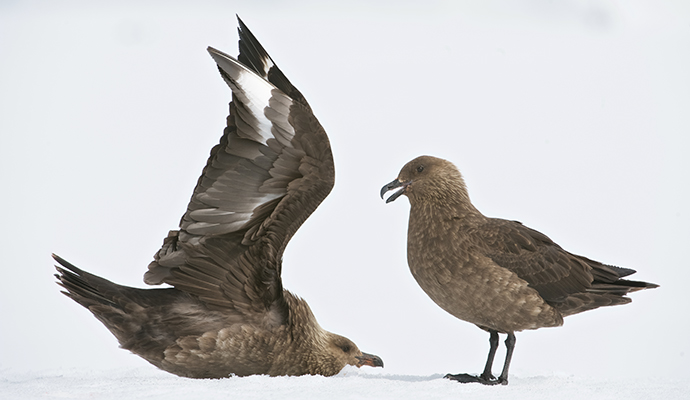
(114, 305)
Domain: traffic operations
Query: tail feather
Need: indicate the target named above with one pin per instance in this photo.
(83, 287)
(607, 289)
(620, 287)
(607, 280)
(116, 306)
(140, 319)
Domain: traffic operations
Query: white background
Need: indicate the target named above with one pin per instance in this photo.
(572, 117)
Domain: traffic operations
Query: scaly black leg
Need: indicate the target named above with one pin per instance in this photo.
(486, 378)
(493, 342)
(510, 346)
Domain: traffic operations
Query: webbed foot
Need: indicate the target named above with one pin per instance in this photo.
(467, 378)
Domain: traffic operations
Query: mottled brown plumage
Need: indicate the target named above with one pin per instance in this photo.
(498, 274)
(227, 312)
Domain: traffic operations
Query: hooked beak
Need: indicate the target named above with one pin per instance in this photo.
(370, 360)
(394, 185)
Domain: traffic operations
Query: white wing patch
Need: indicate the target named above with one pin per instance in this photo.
(262, 115)
(263, 112)
(266, 64)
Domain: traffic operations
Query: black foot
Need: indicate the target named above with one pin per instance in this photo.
(467, 378)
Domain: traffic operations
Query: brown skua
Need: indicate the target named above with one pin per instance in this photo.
(499, 275)
(227, 312)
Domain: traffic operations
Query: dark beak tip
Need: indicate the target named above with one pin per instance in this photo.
(370, 360)
(390, 186)
(383, 191)
(387, 187)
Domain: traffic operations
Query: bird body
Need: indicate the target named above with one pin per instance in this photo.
(227, 312)
(456, 277)
(498, 274)
(177, 333)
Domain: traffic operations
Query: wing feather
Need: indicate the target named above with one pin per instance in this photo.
(552, 271)
(272, 168)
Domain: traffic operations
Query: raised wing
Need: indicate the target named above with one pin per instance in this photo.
(552, 271)
(272, 168)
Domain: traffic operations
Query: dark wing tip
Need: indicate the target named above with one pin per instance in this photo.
(622, 272)
(254, 56)
(240, 22)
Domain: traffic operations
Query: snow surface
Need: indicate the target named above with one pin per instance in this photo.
(150, 383)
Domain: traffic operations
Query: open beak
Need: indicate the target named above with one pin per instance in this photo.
(394, 185)
(370, 360)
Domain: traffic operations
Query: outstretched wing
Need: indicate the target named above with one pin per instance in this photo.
(272, 168)
(552, 271)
